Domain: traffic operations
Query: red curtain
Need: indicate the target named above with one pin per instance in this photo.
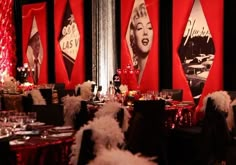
(150, 80)
(29, 11)
(78, 70)
(212, 9)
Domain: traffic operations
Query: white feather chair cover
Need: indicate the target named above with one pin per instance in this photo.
(71, 107)
(111, 109)
(85, 89)
(222, 101)
(106, 133)
(120, 157)
(37, 97)
(72, 103)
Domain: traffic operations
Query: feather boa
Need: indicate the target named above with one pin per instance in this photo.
(37, 97)
(106, 133)
(71, 107)
(120, 157)
(111, 108)
(222, 102)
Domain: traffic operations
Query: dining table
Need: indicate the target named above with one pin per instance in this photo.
(41, 144)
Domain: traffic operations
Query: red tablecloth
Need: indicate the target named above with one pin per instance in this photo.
(40, 151)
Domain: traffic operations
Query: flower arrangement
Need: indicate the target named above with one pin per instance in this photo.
(106, 133)
(25, 87)
(120, 157)
(111, 109)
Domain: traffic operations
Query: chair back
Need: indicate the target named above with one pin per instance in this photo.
(27, 102)
(7, 156)
(59, 86)
(86, 153)
(146, 133)
(82, 117)
(232, 94)
(120, 117)
(47, 94)
(51, 114)
(215, 134)
(234, 114)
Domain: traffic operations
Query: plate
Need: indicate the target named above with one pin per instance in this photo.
(13, 93)
(4, 136)
(187, 102)
(61, 134)
(182, 105)
(27, 132)
(101, 103)
(169, 100)
(62, 127)
(17, 142)
(37, 124)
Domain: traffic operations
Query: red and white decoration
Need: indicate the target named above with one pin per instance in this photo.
(181, 13)
(7, 40)
(69, 42)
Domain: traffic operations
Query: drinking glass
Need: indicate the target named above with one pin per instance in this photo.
(32, 117)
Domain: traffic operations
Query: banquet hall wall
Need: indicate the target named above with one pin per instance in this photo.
(165, 38)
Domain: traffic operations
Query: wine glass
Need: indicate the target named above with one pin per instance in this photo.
(32, 117)
(169, 95)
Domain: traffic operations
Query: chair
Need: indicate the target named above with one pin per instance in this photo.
(51, 114)
(147, 133)
(27, 102)
(120, 117)
(63, 92)
(215, 135)
(47, 94)
(59, 86)
(86, 148)
(101, 133)
(234, 114)
(232, 94)
(7, 156)
(82, 117)
(177, 94)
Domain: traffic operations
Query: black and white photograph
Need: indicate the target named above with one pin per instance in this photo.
(35, 51)
(139, 36)
(197, 51)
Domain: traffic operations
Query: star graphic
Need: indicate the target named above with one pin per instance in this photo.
(71, 19)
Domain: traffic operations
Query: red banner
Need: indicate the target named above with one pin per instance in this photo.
(69, 42)
(34, 20)
(139, 43)
(181, 12)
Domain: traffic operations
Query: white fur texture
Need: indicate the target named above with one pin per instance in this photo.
(111, 109)
(71, 107)
(37, 97)
(85, 89)
(222, 101)
(106, 133)
(120, 157)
